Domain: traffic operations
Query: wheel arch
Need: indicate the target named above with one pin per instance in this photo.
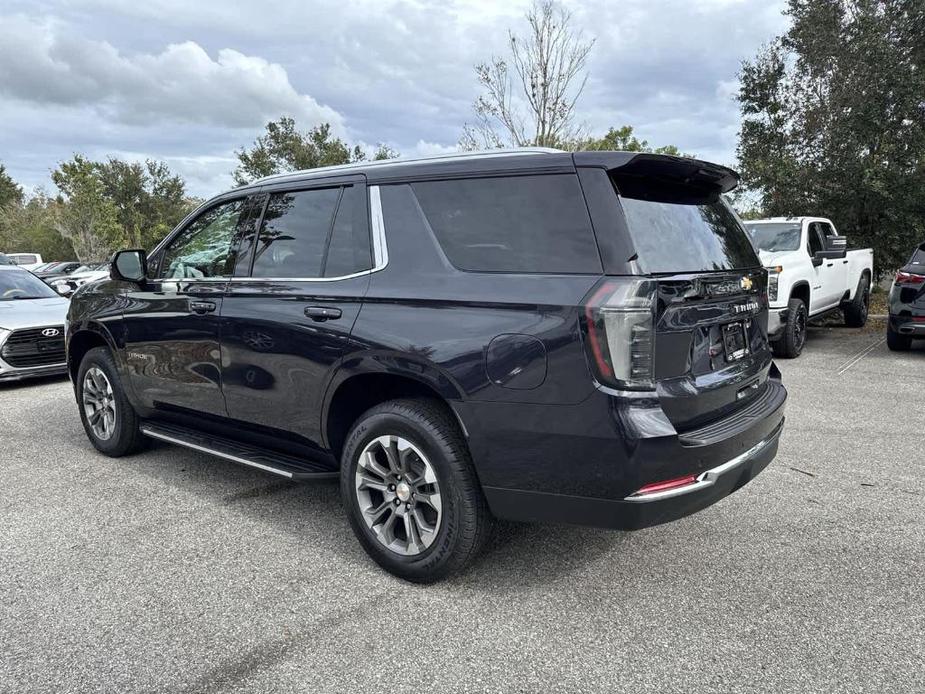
(801, 290)
(82, 341)
(359, 389)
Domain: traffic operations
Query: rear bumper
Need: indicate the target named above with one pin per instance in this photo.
(908, 325)
(633, 513)
(582, 464)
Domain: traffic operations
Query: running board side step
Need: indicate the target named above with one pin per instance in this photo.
(291, 467)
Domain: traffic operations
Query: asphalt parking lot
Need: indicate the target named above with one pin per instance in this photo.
(173, 571)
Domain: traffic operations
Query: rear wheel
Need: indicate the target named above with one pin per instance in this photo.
(411, 492)
(107, 416)
(896, 341)
(790, 344)
(856, 310)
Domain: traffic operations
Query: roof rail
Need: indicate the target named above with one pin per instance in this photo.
(436, 158)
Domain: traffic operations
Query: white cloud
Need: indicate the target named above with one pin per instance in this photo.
(44, 64)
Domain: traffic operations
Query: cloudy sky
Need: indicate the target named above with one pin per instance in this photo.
(189, 81)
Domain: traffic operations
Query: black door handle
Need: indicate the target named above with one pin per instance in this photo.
(202, 306)
(322, 313)
(829, 264)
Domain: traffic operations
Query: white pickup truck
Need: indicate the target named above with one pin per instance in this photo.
(810, 272)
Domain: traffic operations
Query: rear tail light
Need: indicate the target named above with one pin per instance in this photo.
(909, 279)
(620, 332)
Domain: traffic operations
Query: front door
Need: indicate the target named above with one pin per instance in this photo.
(171, 322)
(288, 314)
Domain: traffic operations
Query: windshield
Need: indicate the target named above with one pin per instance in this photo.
(16, 284)
(774, 237)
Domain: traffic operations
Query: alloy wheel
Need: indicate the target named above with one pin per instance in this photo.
(99, 403)
(398, 495)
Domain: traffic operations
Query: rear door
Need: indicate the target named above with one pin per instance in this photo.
(171, 322)
(711, 352)
(291, 305)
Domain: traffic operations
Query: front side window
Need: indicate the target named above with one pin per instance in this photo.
(203, 248)
(815, 239)
(528, 224)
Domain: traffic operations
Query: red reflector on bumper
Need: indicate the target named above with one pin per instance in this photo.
(666, 485)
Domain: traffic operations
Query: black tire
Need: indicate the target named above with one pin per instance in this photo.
(126, 436)
(856, 310)
(465, 522)
(897, 342)
(791, 342)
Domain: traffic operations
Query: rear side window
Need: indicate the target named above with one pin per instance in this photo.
(675, 229)
(349, 248)
(529, 224)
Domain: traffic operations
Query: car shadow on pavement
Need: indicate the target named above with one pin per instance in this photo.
(518, 555)
(31, 382)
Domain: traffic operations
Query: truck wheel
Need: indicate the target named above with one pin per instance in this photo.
(791, 342)
(896, 341)
(411, 492)
(108, 418)
(856, 310)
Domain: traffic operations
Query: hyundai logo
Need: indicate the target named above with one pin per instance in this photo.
(50, 332)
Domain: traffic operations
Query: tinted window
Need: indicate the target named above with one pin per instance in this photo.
(918, 258)
(774, 237)
(678, 230)
(203, 248)
(349, 250)
(815, 240)
(24, 259)
(295, 232)
(515, 224)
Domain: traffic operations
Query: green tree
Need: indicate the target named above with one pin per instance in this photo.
(284, 148)
(623, 139)
(10, 191)
(833, 121)
(85, 216)
(149, 199)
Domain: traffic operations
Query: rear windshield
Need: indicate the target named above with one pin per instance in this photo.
(675, 229)
(918, 258)
(23, 259)
(529, 224)
(774, 237)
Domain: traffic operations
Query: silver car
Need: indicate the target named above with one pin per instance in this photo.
(31, 326)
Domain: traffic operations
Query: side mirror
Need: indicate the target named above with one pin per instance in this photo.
(837, 245)
(129, 266)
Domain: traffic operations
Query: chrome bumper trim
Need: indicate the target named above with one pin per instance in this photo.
(709, 477)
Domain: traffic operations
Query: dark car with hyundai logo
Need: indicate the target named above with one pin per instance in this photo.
(531, 335)
(31, 326)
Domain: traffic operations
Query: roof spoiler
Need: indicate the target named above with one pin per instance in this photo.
(677, 170)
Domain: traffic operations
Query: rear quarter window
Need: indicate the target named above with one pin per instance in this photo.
(680, 230)
(526, 224)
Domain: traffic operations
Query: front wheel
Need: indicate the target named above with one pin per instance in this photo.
(411, 492)
(108, 417)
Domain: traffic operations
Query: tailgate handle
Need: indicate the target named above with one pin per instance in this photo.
(322, 313)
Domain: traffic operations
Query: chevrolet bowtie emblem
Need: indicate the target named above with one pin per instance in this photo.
(746, 283)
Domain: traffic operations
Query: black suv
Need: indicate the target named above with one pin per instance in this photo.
(531, 335)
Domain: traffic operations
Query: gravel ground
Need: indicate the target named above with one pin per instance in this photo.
(171, 571)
